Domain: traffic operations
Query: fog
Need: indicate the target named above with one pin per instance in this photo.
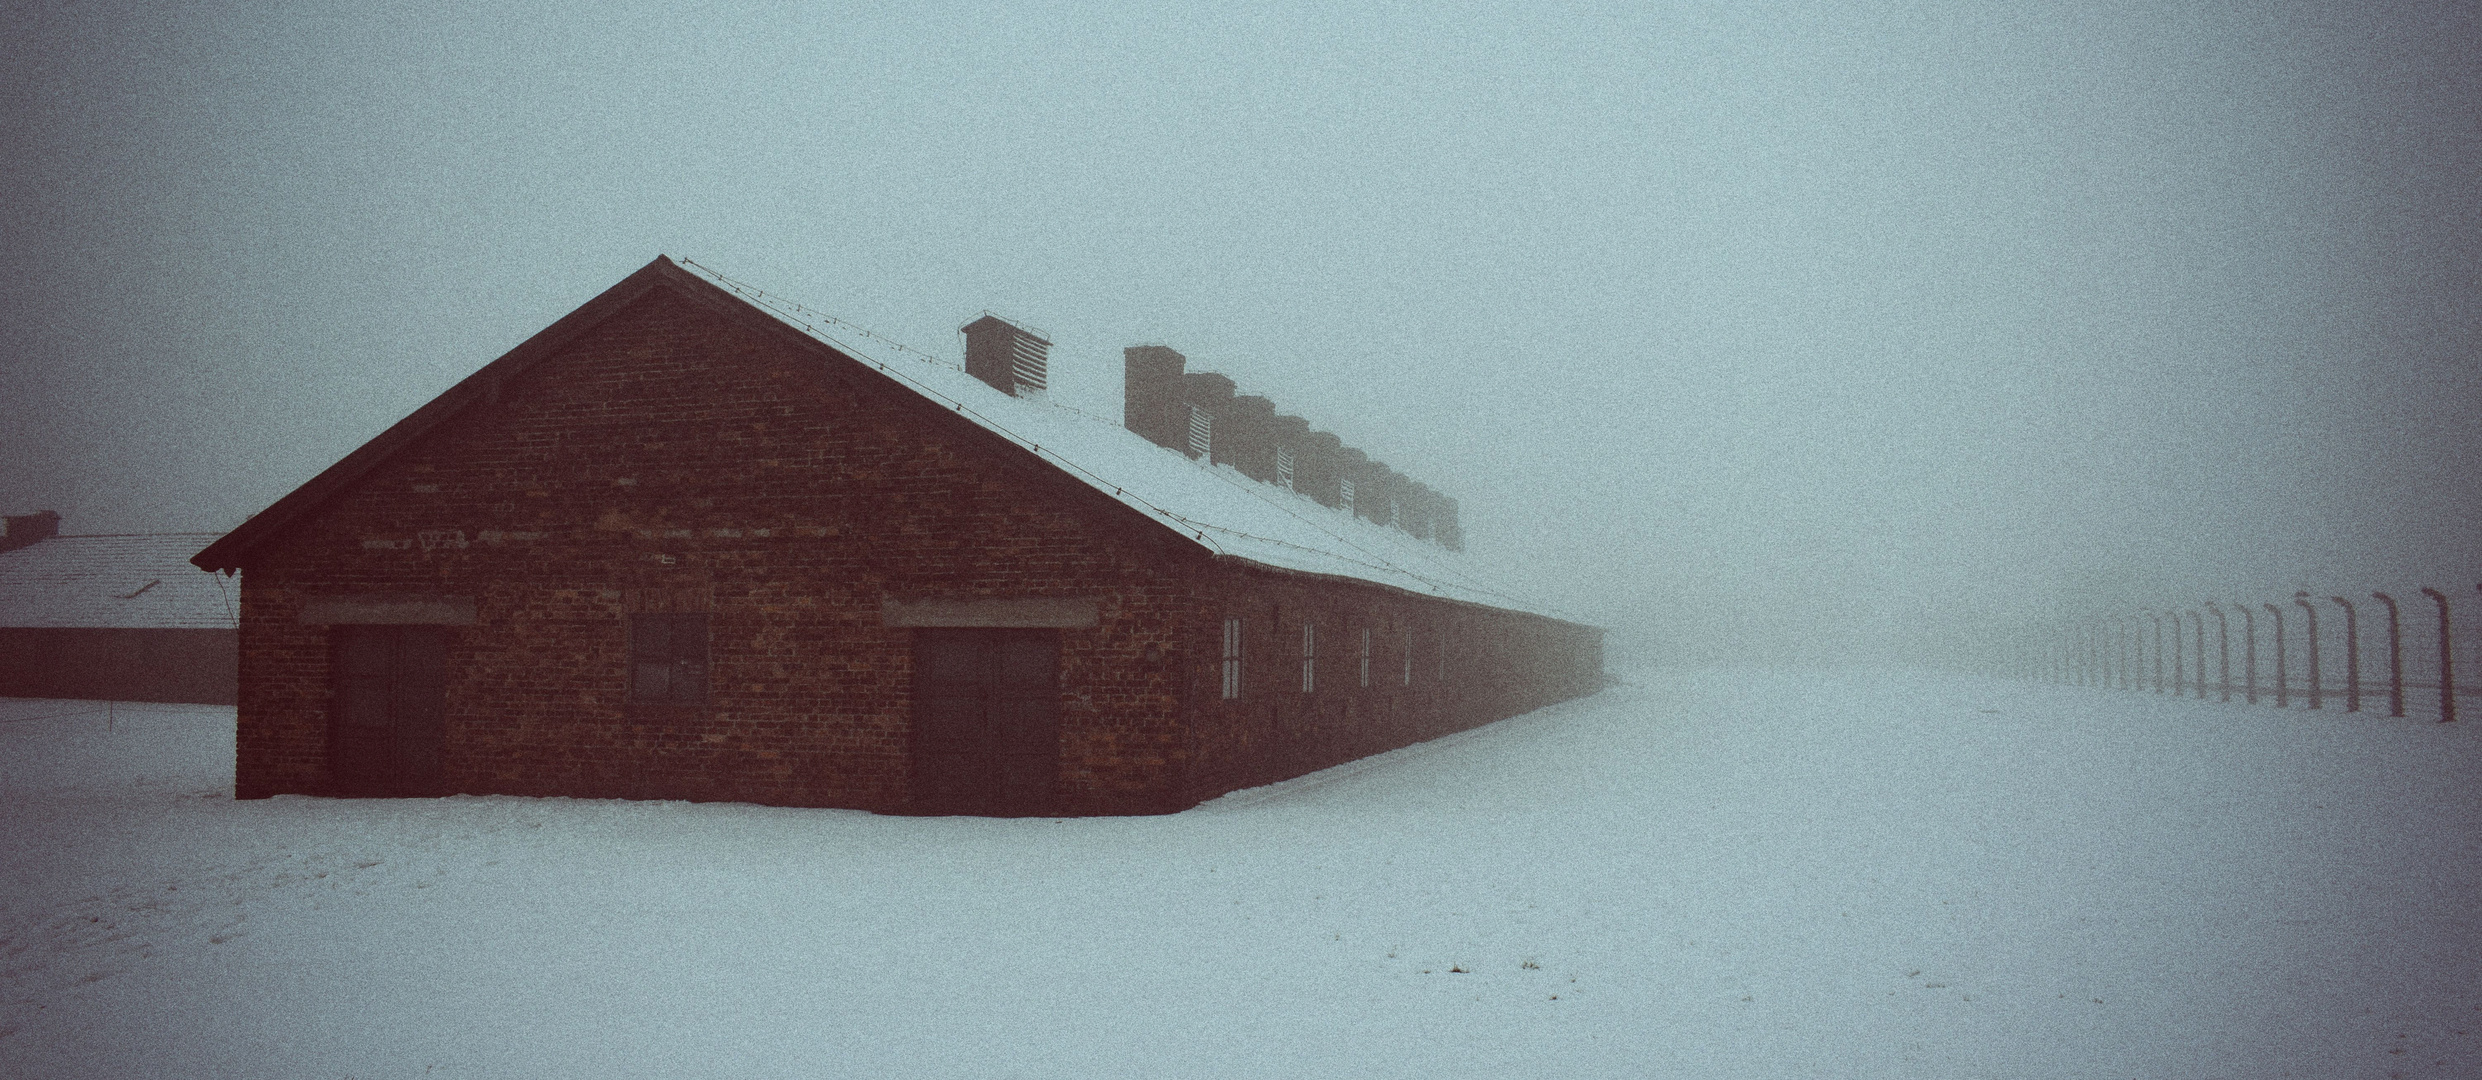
(1811, 332)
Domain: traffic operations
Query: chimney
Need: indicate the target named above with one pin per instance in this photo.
(1151, 395)
(1414, 505)
(1352, 467)
(1371, 495)
(1247, 438)
(28, 529)
(1209, 397)
(1386, 486)
(1197, 413)
(1315, 471)
(1006, 356)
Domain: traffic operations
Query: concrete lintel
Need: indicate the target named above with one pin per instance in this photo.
(389, 610)
(1063, 613)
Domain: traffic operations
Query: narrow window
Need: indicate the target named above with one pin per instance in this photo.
(1409, 656)
(1232, 659)
(668, 658)
(1284, 468)
(1344, 494)
(1365, 657)
(1309, 657)
(1201, 433)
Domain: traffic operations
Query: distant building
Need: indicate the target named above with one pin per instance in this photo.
(114, 617)
(682, 545)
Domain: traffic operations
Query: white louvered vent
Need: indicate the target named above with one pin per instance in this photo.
(1344, 494)
(1201, 432)
(1027, 359)
(1284, 468)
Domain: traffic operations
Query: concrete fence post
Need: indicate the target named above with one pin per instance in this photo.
(2303, 599)
(2223, 650)
(2395, 656)
(2447, 658)
(2352, 654)
(2158, 665)
(2197, 622)
(2249, 651)
(2176, 651)
(2121, 629)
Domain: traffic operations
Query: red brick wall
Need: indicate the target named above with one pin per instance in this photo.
(1498, 664)
(670, 459)
(673, 458)
(118, 664)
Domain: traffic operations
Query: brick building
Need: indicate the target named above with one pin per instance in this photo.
(680, 544)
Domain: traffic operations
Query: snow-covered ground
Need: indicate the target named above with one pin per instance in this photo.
(1696, 875)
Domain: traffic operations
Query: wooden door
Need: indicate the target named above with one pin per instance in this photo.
(986, 721)
(389, 713)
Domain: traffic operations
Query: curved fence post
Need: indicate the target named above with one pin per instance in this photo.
(2283, 686)
(2197, 621)
(2176, 654)
(2395, 656)
(2113, 668)
(2100, 638)
(2094, 655)
(2447, 666)
(2249, 651)
(2303, 598)
(2223, 650)
(2352, 655)
(2137, 636)
(2133, 655)
(2158, 619)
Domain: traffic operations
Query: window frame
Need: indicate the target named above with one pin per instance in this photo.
(1365, 658)
(685, 658)
(1232, 658)
(1309, 657)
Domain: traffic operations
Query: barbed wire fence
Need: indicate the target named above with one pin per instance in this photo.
(2414, 653)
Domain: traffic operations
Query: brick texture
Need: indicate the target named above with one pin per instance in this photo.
(671, 458)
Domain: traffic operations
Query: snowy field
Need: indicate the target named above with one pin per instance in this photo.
(1696, 875)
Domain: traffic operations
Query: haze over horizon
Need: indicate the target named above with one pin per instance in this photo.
(1794, 331)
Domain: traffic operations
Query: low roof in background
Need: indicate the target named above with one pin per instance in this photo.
(138, 580)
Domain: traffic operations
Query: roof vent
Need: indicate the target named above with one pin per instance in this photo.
(1201, 433)
(1006, 355)
(1153, 394)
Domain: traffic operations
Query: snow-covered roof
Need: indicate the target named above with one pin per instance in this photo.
(1214, 506)
(1217, 508)
(140, 580)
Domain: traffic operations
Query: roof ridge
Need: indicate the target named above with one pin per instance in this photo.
(1195, 503)
(1371, 557)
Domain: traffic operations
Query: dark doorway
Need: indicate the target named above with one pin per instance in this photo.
(986, 721)
(389, 715)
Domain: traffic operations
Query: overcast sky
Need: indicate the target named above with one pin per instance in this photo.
(1721, 321)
